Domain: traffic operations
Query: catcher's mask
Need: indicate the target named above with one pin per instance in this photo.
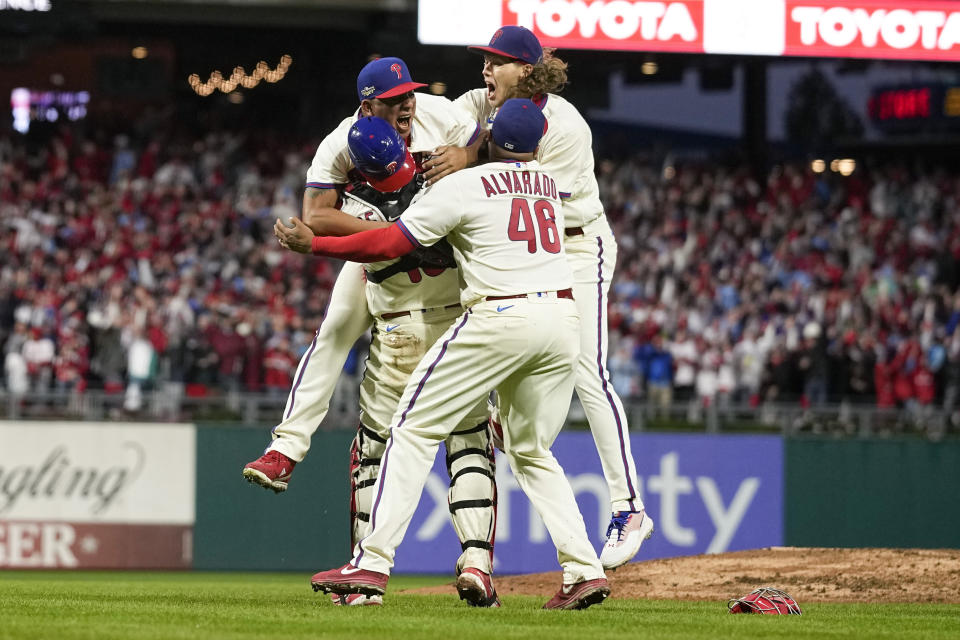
(765, 600)
(379, 153)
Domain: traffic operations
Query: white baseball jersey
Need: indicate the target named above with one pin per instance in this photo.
(565, 152)
(415, 289)
(496, 216)
(437, 121)
(505, 224)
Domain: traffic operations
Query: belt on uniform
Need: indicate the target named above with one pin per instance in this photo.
(401, 314)
(562, 293)
(573, 231)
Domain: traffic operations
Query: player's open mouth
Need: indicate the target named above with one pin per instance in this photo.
(491, 91)
(403, 122)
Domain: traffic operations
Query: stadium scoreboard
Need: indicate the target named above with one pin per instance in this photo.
(916, 108)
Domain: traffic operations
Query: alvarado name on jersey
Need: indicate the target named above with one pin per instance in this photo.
(519, 183)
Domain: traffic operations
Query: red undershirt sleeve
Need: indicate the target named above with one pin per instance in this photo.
(367, 246)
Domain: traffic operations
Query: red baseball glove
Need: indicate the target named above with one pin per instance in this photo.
(765, 600)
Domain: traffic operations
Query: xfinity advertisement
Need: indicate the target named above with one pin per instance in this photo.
(706, 494)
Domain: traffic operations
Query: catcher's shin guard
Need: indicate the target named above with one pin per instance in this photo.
(473, 495)
(365, 453)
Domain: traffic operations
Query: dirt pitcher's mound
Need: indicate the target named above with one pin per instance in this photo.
(807, 574)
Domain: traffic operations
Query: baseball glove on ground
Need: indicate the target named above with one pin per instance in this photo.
(765, 600)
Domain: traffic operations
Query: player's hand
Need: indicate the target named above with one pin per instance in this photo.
(448, 159)
(444, 161)
(297, 238)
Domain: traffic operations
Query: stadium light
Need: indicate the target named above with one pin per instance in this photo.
(818, 166)
(239, 77)
(846, 166)
(649, 68)
(139, 53)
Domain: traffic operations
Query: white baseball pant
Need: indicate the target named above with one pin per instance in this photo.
(472, 494)
(592, 256)
(398, 347)
(346, 319)
(527, 351)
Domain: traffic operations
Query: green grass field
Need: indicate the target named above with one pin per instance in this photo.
(211, 606)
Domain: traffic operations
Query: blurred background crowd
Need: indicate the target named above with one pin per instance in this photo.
(788, 225)
(132, 265)
(145, 261)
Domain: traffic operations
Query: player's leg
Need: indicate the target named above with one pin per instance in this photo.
(397, 347)
(450, 382)
(533, 406)
(366, 451)
(345, 321)
(593, 257)
(473, 505)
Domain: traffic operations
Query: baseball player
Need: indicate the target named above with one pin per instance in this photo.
(518, 335)
(409, 304)
(515, 65)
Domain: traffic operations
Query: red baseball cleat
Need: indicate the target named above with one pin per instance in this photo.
(476, 587)
(580, 595)
(272, 470)
(350, 579)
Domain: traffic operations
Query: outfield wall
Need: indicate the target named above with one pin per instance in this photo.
(98, 495)
(872, 493)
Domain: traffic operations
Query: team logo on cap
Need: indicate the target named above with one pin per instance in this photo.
(508, 145)
(366, 91)
(496, 36)
(396, 69)
(392, 167)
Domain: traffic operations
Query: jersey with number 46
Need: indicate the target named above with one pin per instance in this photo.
(505, 223)
(416, 288)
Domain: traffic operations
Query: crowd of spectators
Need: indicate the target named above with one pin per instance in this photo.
(149, 263)
(800, 287)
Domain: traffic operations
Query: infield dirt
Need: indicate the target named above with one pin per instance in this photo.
(807, 574)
